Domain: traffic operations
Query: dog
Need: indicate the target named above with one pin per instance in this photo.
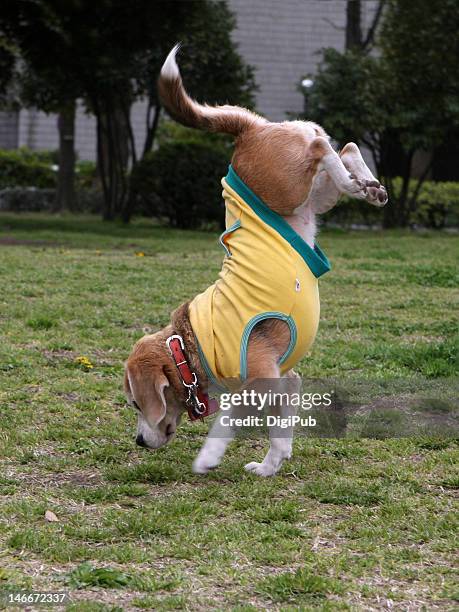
(282, 175)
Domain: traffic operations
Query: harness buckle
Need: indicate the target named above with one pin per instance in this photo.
(194, 382)
(175, 337)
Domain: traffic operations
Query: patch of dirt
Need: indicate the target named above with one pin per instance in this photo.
(38, 478)
(409, 406)
(143, 327)
(70, 397)
(415, 595)
(60, 354)
(11, 241)
(66, 355)
(416, 458)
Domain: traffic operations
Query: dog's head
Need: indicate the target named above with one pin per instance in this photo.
(147, 383)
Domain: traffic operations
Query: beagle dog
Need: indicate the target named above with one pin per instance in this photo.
(260, 317)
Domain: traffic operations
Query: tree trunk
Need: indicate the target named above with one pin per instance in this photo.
(113, 154)
(353, 25)
(65, 193)
(152, 127)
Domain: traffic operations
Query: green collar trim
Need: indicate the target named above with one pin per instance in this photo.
(315, 258)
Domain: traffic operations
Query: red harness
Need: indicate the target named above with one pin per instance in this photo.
(199, 405)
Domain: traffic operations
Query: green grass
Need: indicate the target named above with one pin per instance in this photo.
(347, 524)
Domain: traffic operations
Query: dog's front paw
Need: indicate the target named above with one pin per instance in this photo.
(261, 469)
(203, 465)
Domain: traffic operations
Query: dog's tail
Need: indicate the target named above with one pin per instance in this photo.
(228, 119)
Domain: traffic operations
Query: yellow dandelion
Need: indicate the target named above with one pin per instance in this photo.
(140, 254)
(84, 362)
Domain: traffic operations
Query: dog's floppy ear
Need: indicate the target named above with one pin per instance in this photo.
(147, 389)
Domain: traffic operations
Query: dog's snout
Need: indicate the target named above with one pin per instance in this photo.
(140, 441)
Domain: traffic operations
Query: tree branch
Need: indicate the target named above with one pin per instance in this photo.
(152, 127)
(131, 136)
(372, 31)
(421, 179)
(333, 25)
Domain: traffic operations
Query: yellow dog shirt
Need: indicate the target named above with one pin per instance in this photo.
(269, 272)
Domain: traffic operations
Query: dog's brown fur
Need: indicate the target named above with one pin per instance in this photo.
(279, 162)
(150, 357)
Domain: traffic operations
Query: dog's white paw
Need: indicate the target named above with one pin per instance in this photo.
(261, 469)
(210, 455)
(370, 190)
(205, 462)
(355, 187)
(377, 194)
(201, 466)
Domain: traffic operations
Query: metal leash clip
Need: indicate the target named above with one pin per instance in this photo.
(193, 400)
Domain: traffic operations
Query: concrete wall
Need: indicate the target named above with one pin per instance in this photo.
(37, 130)
(9, 130)
(282, 39)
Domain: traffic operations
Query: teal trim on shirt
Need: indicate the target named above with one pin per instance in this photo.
(233, 228)
(206, 367)
(248, 330)
(315, 258)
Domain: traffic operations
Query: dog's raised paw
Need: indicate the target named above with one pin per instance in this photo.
(370, 190)
(261, 469)
(355, 187)
(376, 193)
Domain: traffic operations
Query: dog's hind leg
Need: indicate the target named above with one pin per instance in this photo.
(321, 151)
(353, 161)
(323, 195)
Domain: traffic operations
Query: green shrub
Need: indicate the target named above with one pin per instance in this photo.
(172, 132)
(437, 207)
(45, 156)
(24, 168)
(85, 175)
(31, 199)
(181, 182)
(26, 199)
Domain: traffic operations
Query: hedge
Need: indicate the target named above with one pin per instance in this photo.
(24, 168)
(180, 182)
(437, 207)
(38, 169)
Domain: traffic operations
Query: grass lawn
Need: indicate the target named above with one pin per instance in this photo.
(347, 524)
